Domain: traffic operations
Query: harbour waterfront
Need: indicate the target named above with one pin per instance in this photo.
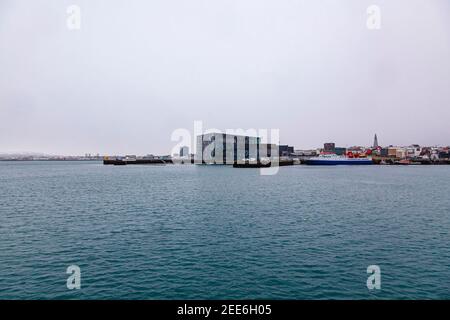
(214, 232)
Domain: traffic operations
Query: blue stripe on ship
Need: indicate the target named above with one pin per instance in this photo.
(338, 162)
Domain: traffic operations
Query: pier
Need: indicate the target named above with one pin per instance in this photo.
(120, 162)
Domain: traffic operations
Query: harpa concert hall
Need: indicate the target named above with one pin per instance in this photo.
(222, 148)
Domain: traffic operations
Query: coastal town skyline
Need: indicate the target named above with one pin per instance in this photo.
(190, 149)
(32, 152)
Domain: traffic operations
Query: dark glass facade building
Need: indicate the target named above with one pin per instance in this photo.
(222, 148)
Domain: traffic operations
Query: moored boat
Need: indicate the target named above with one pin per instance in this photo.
(333, 160)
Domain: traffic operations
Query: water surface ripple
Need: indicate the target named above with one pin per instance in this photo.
(213, 232)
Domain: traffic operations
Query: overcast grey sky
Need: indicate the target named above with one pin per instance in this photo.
(138, 70)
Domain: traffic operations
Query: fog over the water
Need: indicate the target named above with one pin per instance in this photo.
(137, 70)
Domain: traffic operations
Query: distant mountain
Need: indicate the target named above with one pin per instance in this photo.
(24, 154)
(19, 155)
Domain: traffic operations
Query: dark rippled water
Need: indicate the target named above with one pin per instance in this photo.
(212, 232)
